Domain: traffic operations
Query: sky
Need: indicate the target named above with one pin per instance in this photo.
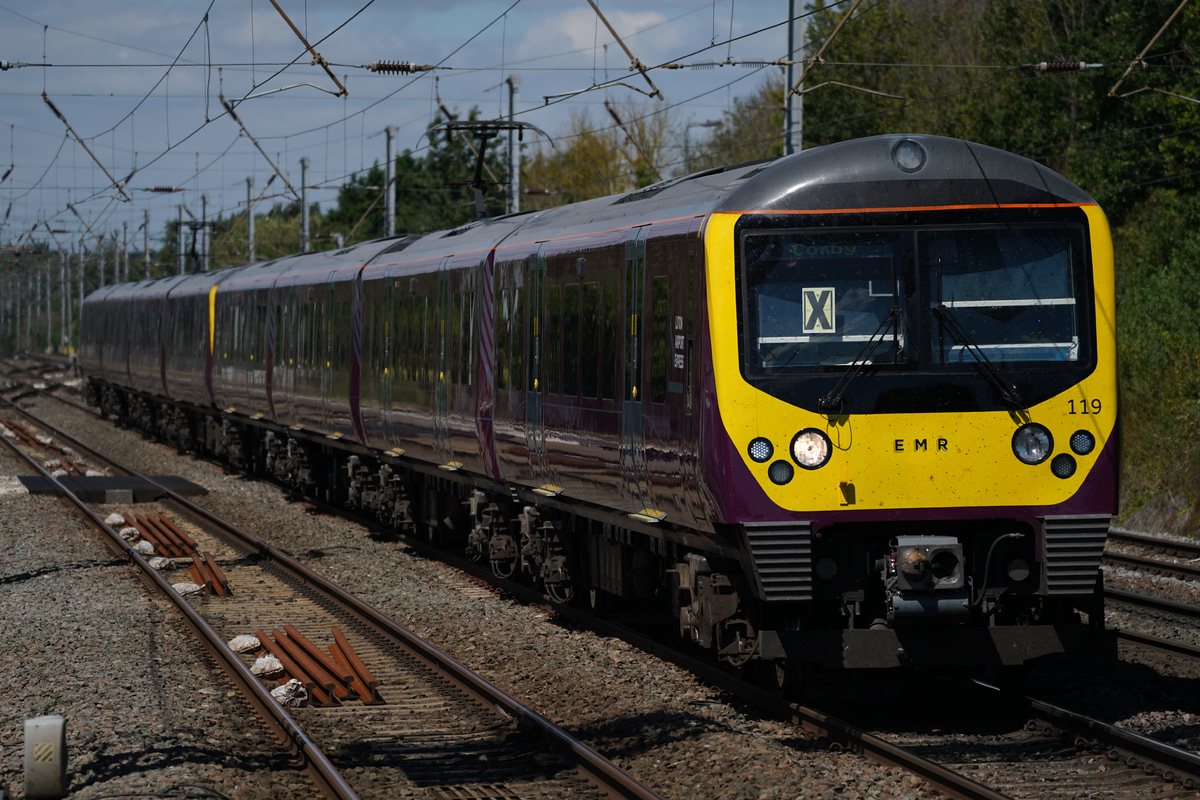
(135, 86)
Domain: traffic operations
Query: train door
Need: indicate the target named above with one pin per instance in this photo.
(535, 431)
(289, 341)
(441, 375)
(329, 332)
(384, 366)
(633, 446)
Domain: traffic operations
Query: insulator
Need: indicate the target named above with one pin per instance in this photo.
(398, 67)
(1062, 66)
(163, 189)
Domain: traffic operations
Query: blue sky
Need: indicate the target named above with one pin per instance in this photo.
(109, 73)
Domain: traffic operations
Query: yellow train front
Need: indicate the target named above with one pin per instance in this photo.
(912, 345)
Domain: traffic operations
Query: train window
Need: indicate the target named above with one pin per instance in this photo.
(609, 342)
(571, 339)
(553, 338)
(821, 300)
(1004, 293)
(589, 374)
(660, 334)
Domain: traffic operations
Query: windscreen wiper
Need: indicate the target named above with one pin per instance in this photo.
(831, 403)
(1008, 392)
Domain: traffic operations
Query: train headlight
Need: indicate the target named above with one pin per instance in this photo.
(761, 450)
(1082, 443)
(908, 155)
(811, 448)
(1032, 443)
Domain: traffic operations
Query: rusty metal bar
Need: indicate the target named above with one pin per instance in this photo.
(320, 677)
(344, 679)
(371, 699)
(200, 573)
(183, 537)
(170, 545)
(318, 695)
(356, 663)
(221, 582)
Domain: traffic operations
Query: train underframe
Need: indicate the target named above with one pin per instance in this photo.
(916, 595)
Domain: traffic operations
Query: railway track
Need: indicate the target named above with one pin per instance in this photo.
(1056, 738)
(415, 718)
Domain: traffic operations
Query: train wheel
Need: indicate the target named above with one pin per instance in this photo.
(780, 676)
(597, 602)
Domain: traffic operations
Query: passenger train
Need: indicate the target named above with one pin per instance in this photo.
(854, 407)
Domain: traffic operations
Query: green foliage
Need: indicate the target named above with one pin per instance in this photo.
(1159, 328)
(751, 130)
(589, 160)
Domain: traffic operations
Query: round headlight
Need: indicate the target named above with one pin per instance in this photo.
(908, 155)
(761, 450)
(811, 448)
(1063, 466)
(1032, 443)
(780, 472)
(1082, 443)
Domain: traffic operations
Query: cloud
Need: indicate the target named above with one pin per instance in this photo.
(582, 30)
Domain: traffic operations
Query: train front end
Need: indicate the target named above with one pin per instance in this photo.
(913, 351)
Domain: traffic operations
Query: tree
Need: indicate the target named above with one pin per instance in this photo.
(590, 160)
(753, 129)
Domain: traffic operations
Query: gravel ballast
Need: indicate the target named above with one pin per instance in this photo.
(671, 731)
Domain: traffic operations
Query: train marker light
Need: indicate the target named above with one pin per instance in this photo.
(781, 472)
(1032, 443)
(811, 448)
(1063, 466)
(1082, 443)
(761, 450)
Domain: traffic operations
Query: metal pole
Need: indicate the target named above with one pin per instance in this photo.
(64, 304)
(146, 242)
(180, 236)
(250, 219)
(204, 233)
(100, 263)
(514, 153)
(49, 316)
(78, 328)
(305, 245)
(389, 200)
(793, 118)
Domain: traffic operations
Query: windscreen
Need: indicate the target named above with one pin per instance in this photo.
(814, 299)
(909, 298)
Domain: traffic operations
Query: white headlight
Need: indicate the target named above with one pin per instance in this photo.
(1032, 443)
(811, 448)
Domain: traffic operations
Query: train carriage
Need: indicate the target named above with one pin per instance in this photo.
(854, 407)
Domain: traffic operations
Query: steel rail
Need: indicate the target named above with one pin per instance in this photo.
(599, 769)
(1157, 604)
(324, 775)
(1190, 548)
(1167, 646)
(1172, 763)
(1142, 564)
